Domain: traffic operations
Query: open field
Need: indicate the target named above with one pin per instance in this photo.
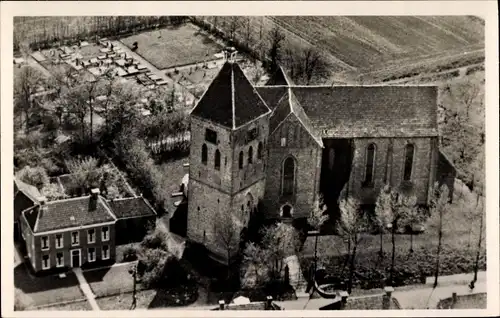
(366, 42)
(165, 48)
(356, 45)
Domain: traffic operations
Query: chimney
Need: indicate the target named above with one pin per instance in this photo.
(343, 298)
(94, 195)
(454, 299)
(43, 205)
(269, 302)
(42, 200)
(230, 54)
(221, 304)
(386, 300)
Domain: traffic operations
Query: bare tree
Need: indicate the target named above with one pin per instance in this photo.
(233, 27)
(351, 224)
(247, 31)
(226, 234)
(412, 217)
(439, 206)
(276, 38)
(382, 206)
(25, 85)
(396, 211)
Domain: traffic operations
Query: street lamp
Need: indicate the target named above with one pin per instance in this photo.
(133, 272)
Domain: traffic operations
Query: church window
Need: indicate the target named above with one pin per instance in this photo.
(370, 161)
(259, 151)
(217, 160)
(250, 155)
(211, 136)
(251, 134)
(204, 154)
(283, 142)
(409, 152)
(288, 178)
(240, 161)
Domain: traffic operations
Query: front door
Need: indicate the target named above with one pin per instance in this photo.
(75, 258)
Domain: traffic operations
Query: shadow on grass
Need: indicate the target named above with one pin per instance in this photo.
(26, 280)
(176, 296)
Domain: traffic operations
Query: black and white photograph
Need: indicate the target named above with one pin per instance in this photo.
(249, 162)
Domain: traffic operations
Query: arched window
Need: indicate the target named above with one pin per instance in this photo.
(288, 178)
(217, 160)
(240, 161)
(409, 152)
(250, 155)
(204, 154)
(370, 162)
(259, 151)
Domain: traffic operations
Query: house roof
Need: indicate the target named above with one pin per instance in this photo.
(278, 78)
(289, 105)
(131, 207)
(230, 100)
(60, 214)
(365, 111)
(27, 189)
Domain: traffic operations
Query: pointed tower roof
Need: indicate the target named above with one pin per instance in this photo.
(279, 78)
(287, 106)
(230, 100)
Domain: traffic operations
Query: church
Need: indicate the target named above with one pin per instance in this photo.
(275, 148)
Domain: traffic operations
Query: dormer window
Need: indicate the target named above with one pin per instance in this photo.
(211, 136)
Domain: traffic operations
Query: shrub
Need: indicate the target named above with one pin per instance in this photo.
(36, 176)
(129, 254)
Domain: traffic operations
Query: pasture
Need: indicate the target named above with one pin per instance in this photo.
(169, 47)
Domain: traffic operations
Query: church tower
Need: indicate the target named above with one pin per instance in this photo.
(227, 161)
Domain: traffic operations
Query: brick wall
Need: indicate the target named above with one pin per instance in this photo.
(307, 155)
(67, 247)
(392, 166)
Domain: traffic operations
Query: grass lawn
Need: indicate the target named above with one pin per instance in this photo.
(124, 301)
(165, 48)
(79, 305)
(460, 237)
(110, 281)
(45, 290)
(147, 299)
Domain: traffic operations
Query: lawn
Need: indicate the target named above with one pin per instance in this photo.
(148, 299)
(110, 281)
(458, 254)
(45, 290)
(166, 48)
(74, 306)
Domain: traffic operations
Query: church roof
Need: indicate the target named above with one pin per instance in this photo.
(279, 78)
(288, 105)
(230, 100)
(364, 111)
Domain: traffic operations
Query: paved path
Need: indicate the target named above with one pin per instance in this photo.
(189, 97)
(84, 286)
(428, 298)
